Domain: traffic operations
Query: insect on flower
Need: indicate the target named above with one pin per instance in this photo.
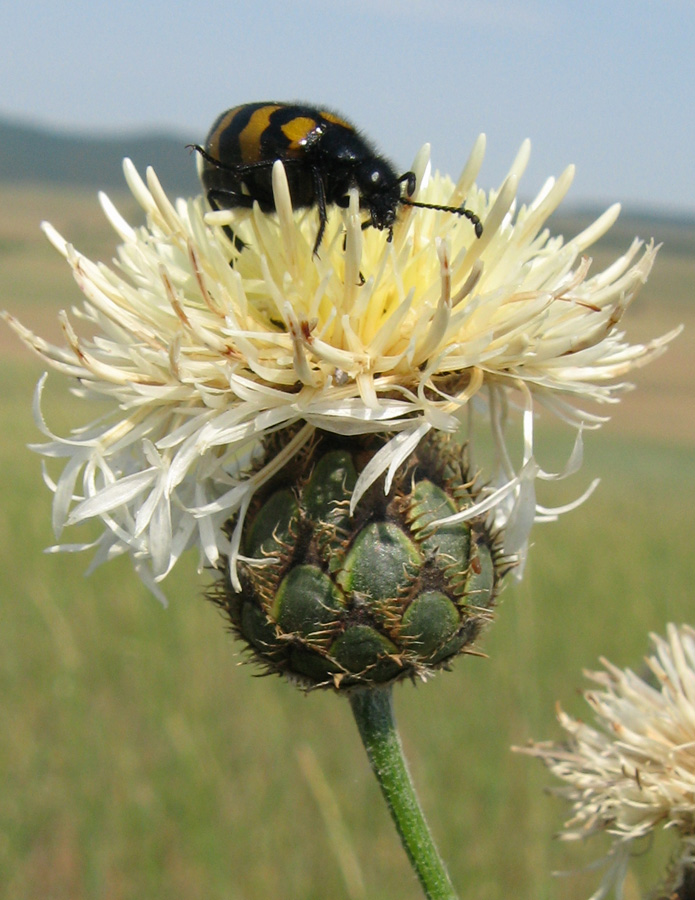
(203, 363)
(324, 156)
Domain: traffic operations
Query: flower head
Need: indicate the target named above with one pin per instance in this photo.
(204, 350)
(635, 771)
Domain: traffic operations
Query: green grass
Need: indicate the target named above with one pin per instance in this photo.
(139, 760)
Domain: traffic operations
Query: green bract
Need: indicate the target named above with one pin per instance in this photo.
(334, 600)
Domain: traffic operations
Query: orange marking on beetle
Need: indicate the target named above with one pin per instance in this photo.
(250, 137)
(297, 130)
(214, 147)
(336, 120)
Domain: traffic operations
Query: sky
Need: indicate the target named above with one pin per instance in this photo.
(609, 86)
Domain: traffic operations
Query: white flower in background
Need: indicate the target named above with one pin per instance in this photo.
(635, 771)
(201, 359)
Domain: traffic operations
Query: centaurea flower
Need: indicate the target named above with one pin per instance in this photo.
(634, 772)
(202, 360)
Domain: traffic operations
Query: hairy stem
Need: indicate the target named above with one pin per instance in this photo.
(373, 712)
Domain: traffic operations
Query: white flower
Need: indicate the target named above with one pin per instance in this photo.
(201, 359)
(636, 770)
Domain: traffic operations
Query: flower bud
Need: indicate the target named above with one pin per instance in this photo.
(334, 599)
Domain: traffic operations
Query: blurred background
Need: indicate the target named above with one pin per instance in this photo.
(138, 759)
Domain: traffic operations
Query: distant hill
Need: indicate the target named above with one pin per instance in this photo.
(37, 155)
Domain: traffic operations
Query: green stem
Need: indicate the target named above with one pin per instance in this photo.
(373, 712)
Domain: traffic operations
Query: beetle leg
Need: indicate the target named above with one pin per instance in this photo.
(226, 198)
(410, 182)
(320, 191)
(228, 230)
(240, 169)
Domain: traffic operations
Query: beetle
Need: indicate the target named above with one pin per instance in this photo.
(324, 157)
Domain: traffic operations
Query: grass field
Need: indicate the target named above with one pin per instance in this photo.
(139, 760)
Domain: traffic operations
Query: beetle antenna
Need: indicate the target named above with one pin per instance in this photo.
(458, 210)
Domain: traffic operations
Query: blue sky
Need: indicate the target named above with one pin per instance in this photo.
(609, 86)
